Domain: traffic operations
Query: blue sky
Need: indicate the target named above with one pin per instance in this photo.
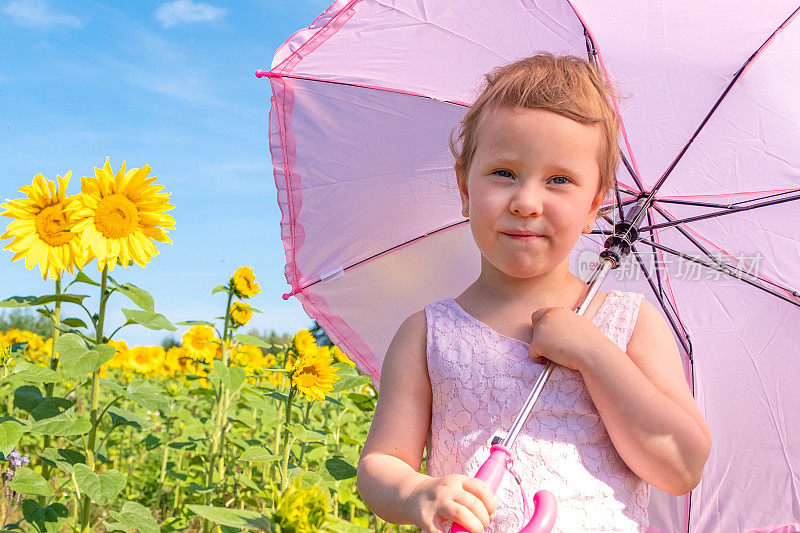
(170, 84)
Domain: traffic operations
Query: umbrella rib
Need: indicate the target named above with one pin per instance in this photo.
(728, 210)
(714, 108)
(681, 332)
(725, 269)
(708, 253)
(722, 206)
(342, 269)
(591, 51)
(691, 202)
(365, 86)
(653, 235)
(631, 172)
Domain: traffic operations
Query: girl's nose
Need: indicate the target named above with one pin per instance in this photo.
(527, 201)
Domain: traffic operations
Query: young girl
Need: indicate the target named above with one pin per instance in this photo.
(539, 153)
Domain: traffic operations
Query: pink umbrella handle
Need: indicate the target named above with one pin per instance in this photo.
(492, 471)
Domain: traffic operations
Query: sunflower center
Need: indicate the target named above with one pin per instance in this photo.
(52, 225)
(116, 216)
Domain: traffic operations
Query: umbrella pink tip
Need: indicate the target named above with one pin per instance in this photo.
(287, 295)
(260, 74)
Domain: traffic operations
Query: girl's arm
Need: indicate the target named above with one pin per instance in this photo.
(646, 405)
(388, 471)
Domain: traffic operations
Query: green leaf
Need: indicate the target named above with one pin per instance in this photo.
(343, 526)
(63, 459)
(258, 454)
(339, 468)
(243, 338)
(135, 294)
(35, 373)
(28, 482)
(316, 453)
(51, 407)
(115, 526)
(277, 395)
(101, 488)
(247, 482)
(83, 278)
(112, 385)
(123, 417)
(237, 377)
(349, 377)
(219, 288)
(32, 301)
(18, 349)
(27, 398)
(147, 395)
(200, 489)
(194, 323)
(77, 359)
(10, 433)
(74, 322)
(331, 399)
(232, 517)
(362, 401)
(137, 516)
(255, 400)
(305, 435)
(151, 442)
(307, 477)
(63, 425)
(48, 519)
(148, 319)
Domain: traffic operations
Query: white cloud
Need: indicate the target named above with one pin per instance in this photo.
(185, 11)
(38, 14)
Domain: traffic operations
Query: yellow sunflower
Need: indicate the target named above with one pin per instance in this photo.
(241, 313)
(244, 283)
(312, 375)
(304, 342)
(120, 216)
(145, 359)
(199, 338)
(43, 230)
(340, 356)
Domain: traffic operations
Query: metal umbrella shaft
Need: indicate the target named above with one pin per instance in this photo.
(617, 247)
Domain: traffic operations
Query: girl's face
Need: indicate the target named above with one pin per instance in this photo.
(533, 171)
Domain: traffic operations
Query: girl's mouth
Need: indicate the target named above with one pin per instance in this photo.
(522, 237)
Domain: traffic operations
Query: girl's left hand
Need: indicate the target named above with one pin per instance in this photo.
(563, 336)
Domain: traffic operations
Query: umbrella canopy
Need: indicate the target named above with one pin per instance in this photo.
(364, 100)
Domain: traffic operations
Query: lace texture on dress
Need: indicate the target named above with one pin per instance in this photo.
(480, 379)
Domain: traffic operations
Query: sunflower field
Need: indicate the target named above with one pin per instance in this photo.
(222, 431)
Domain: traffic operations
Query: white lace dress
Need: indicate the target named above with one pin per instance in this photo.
(480, 379)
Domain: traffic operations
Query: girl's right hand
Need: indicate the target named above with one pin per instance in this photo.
(462, 499)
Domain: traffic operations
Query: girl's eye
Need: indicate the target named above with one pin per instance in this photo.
(498, 172)
(562, 178)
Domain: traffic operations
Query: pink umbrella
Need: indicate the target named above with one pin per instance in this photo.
(364, 100)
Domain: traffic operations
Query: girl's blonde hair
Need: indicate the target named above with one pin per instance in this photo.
(566, 85)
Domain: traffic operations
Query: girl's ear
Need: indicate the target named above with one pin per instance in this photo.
(461, 180)
(592, 215)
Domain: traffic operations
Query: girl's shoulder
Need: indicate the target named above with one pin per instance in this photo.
(625, 300)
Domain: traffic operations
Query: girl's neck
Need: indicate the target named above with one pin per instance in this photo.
(558, 287)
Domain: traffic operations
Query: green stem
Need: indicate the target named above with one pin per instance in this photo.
(165, 455)
(164, 460)
(177, 502)
(215, 459)
(86, 503)
(48, 389)
(303, 446)
(286, 446)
